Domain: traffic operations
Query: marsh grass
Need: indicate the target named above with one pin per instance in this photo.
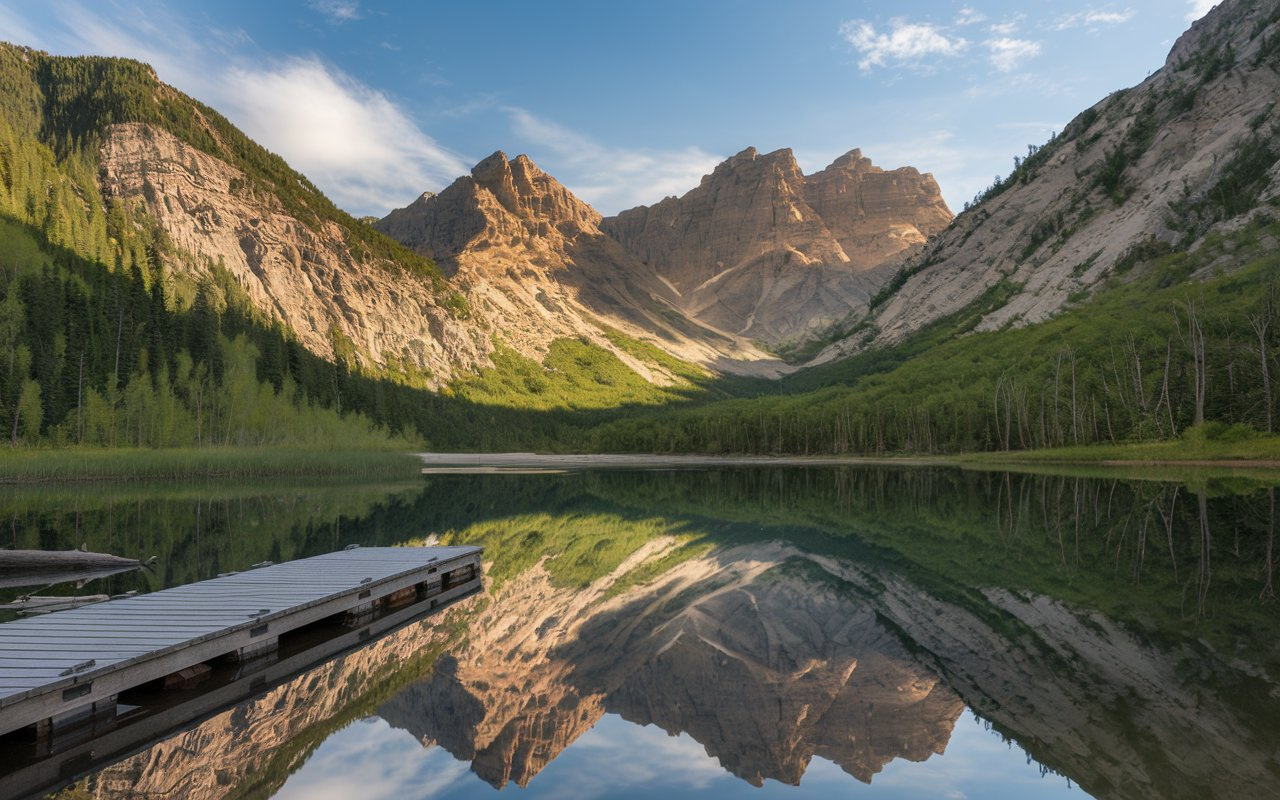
(37, 465)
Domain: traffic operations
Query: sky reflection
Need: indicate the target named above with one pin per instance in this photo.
(617, 759)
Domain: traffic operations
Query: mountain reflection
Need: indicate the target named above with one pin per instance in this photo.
(1121, 633)
(743, 651)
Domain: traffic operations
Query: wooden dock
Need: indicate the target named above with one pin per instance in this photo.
(71, 665)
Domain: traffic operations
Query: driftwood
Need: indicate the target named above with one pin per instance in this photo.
(12, 561)
(27, 606)
(47, 567)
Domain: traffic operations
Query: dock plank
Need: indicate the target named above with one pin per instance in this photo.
(159, 628)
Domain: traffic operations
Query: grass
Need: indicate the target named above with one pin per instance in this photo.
(1187, 449)
(38, 465)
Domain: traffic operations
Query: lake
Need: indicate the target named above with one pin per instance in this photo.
(754, 632)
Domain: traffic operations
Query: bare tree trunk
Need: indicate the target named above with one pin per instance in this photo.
(1195, 341)
(1261, 325)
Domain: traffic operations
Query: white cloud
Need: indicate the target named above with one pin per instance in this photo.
(338, 132)
(1093, 18)
(969, 16)
(1198, 8)
(1004, 28)
(1007, 54)
(337, 11)
(906, 44)
(610, 178)
(352, 141)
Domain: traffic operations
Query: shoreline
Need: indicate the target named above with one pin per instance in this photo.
(458, 462)
(41, 466)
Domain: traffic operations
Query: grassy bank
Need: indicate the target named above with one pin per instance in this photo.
(39, 465)
(1191, 449)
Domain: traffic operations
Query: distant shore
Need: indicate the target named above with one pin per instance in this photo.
(1108, 459)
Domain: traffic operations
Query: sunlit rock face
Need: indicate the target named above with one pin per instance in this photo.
(757, 662)
(760, 249)
(309, 278)
(531, 259)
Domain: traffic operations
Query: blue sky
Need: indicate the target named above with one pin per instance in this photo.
(626, 102)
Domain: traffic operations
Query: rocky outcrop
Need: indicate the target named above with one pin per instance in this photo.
(762, 250)
(310, 279)
(1126, 172)
(531, 258)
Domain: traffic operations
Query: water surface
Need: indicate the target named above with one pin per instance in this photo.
(758, 632)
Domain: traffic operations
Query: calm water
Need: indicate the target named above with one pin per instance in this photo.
(807, 632)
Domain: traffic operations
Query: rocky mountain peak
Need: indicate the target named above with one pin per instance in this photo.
(852, 161)
(533, 256)
(532, 196)
(751, 164)
(762, 250)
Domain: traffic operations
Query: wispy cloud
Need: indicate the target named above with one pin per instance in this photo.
(904, 44)
(1198, 8)
(1094, 18)
(610, 178)
(969, 16)
(337, 11)
(339, 132)
(1007, 54)
(354, 142)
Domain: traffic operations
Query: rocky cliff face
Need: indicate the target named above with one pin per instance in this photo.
(531, 258)
(311, 280)
(760, 249)
(1144, 165)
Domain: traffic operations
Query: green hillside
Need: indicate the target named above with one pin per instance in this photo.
(1179, 344)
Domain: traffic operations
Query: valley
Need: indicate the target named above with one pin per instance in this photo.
(1117, 286)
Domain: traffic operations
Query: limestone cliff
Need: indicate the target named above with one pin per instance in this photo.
(1142, 170)
(312, 279)
(760, 249)
(531, 258)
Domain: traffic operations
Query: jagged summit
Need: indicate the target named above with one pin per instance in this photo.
(532, 254)
(501, 201)
(763, 250)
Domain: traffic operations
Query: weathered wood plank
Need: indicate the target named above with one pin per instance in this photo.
(136, 639)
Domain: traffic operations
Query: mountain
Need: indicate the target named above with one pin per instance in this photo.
(1102, 293)
(764, 251)
(1146, 171)
(532, 260)
(333, 291)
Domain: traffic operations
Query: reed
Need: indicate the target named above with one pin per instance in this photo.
(38, 465)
